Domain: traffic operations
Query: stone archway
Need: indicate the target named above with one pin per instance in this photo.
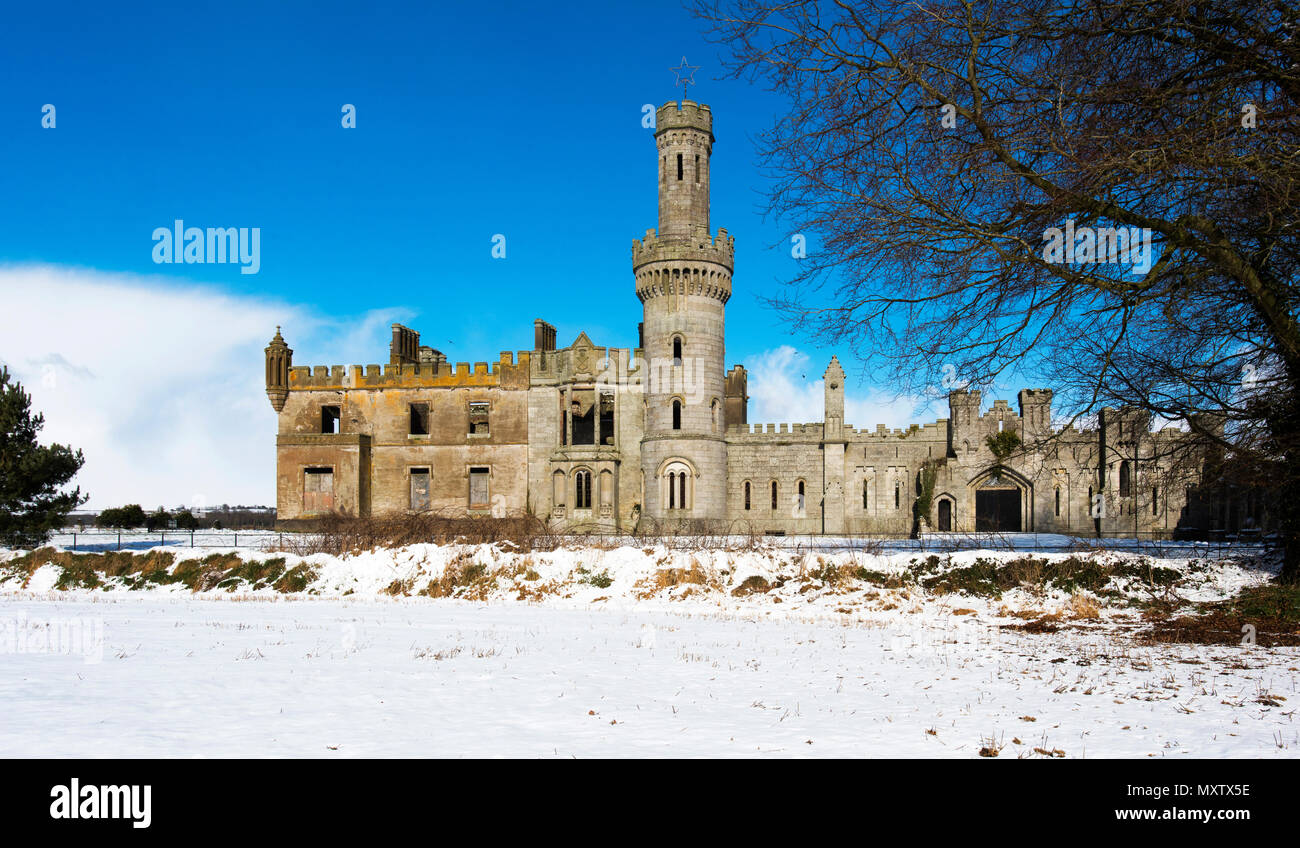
(1001, 502)
(945, 515)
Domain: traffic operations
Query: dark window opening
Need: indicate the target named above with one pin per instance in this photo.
(329, 419)
(801, 498)
(419, 489)
(697, 169)
(747, 496)
(478, 488)
(773, 494)
(582, 490)
(1125, 482)
(681, 489)
(607, 419)
(679, 166)
(1058, 502)
(677, 350)
(583, 410)
(419, 419)
(677, 415)
(898, 496)
(564, 422)
(478, 418)
(1155, 500)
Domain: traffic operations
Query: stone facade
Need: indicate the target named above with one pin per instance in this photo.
(657, 436)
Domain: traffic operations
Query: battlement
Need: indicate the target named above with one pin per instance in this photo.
(685, 115)
(700, 247)
(505, 373)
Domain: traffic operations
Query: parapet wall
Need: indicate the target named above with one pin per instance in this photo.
(505, 373)
(701, 247)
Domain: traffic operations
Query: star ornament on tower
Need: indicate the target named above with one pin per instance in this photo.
(685, 76)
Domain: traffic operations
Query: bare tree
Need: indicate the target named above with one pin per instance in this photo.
(984, 176)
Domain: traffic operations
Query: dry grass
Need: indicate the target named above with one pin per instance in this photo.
(1083, 606)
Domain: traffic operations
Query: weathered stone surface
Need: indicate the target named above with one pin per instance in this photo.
(586, 436)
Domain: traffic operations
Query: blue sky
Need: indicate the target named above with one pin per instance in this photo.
(522, 119)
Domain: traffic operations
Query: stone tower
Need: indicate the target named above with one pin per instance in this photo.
(683, 278)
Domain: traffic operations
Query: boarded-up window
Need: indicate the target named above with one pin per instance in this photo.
(419, 419)
(478, 488)
(329, 419)
(420, 489)
(318, 490)
(606, 488)
(478, 418)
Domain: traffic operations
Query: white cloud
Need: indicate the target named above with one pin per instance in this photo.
(159, 384)
(786, 386)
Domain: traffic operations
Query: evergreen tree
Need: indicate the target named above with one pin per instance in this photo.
(32, 476)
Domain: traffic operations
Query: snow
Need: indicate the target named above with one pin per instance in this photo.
(633, 668)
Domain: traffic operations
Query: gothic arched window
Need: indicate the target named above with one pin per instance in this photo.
(582, 490)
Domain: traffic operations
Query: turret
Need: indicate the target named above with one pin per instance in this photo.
(279, 359)
(833, 381)
(683, 279)
(684, 135)
(1035, 413)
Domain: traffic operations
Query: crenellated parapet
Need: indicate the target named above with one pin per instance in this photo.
(668, 266)
(506, 373)
(701, 247)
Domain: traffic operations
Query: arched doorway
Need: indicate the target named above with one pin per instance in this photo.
(945, 515)
(999, 504)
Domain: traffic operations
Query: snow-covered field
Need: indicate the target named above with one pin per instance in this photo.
(598, 653)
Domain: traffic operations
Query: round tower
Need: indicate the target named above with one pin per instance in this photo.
(683, 278)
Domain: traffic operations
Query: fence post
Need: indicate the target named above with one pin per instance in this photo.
(119, 540)
(191, 538)
(236, 538)
(162, 538)
(74, 542)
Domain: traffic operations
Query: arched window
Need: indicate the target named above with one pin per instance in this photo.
(746, 494)
(677, 414)
(866, 493)
(582, 490)
(773, 494)
(1058, 501)
(945, 515)
(677, 491)
(1125, 483)
(677, 350)
(898, 496)
(801, 496)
